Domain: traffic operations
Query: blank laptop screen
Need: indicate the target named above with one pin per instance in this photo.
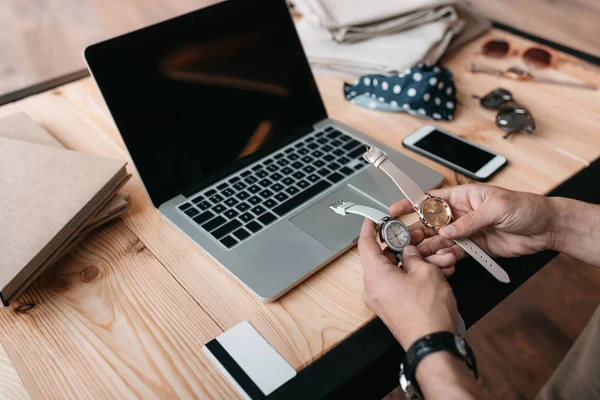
(200, 96)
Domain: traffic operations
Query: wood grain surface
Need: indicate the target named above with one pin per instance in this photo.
(11, 386)
(140, 323)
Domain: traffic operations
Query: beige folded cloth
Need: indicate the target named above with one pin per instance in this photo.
(383, 36)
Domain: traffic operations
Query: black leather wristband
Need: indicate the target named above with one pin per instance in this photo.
(432, 343)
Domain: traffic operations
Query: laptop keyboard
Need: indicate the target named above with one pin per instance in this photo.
(242, 205)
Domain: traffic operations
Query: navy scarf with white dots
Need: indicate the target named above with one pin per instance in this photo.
(424, 91)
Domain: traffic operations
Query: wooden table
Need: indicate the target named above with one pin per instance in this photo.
(126, 313)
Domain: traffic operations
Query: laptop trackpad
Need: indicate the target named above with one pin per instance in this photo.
(334, 231)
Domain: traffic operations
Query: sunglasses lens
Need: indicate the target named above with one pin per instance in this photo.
(496, 99)
(514, 119)
(496, 48)
(537, 57)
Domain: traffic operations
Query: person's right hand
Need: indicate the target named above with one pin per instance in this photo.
(502, 222)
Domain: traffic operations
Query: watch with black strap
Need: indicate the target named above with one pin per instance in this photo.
(429, 344)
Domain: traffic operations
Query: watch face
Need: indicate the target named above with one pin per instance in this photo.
(396, 235)
(436, 212)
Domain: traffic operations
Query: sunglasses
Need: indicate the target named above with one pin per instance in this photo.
(511, 116)
(534, 56)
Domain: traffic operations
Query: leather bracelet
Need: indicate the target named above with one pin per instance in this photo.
(429, 344)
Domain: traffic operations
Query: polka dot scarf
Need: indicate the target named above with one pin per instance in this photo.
(424, 91)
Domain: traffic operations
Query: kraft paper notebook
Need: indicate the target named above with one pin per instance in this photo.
(48, 195)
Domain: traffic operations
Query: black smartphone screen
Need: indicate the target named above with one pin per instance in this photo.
(455, 151)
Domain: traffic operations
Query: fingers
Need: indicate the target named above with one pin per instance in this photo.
(412, 260)
(400, 208)
(373, 258)
(469, 224)
(434, 245)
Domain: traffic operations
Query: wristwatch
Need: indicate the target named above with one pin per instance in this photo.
(391, 231)
(433, 211)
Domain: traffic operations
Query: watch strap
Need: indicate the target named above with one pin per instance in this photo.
(346, 207)
(482, 258)
(407, 186)
(429, 344)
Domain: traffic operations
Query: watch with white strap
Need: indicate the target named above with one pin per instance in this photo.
(391, 231)
(433, 211)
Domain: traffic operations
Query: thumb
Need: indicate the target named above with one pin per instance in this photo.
(467, 225)
(411, 259)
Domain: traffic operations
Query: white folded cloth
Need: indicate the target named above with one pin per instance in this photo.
(383, 36)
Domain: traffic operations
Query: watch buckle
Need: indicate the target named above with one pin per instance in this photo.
(374, 156)
(341, 206)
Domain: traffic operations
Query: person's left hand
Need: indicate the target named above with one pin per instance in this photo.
(412, 301)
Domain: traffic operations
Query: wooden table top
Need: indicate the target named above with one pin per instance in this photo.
(126, 313)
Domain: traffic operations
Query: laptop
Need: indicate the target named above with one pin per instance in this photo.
(223, 120)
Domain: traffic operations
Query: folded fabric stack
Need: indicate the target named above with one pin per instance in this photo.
(359, 37)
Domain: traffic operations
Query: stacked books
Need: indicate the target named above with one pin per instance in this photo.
(50, 198)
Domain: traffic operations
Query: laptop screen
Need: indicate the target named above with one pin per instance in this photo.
(199, 96)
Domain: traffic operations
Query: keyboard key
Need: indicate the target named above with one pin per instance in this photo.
(309, 139)
(323, 172)
(266, 193)
(231, 214)
(228, 192)
(250, 180)
(335, 177)
(265, 183)
(317, 154)
(184, 206)
(297, 165)
(312, 146)
(246, 173)
(211, 192)
(281, 196)
(267, 218)
(228, 242)
(346, 171)
(197, 199)
(219, 208)
(246, 217)
(234, 179)
(299, 144)
(231, 202)
(258, 210)
(307, 159)
(292, 190)
(205, 205)
(287, 181)
(243, 195)
(225, 229)
(309, 169)
(262, 173)
(254, 226)
(270, 203)
(351, 144)
(313, 178)
(254, 200)
(319, 163)
(276, 176)
(328, 158)
(241, 234)
(339, 152)
(268, 162)
(243, 206)
(298, 175)
(343, 160)
(322, 140)
(302, 184)
(289, 150)
(286, 171)
(202, 218)
(222, 186)
(334, 166)
(344, 138)
(278, 156)
(293, 157)
(326, 149)
(240, 186)
(214, 223)
(257, 167)
(283, 162)
(333, 134)
(216, 198)
(272, 168)
(304, 196)
(303, 151)
(319, 134)
(336, 143)
(357, 153)
(254, 189)
(359, 166)
(277, 187)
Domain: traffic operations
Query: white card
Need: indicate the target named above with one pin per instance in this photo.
(253, 367)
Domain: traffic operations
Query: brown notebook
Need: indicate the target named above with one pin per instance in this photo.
(48, 195)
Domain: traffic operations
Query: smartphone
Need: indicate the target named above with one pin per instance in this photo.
(455, 152)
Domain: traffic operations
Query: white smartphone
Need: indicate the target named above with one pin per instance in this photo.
(455, 152)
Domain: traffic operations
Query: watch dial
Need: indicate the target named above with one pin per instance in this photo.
(435, 212)
(396, 235)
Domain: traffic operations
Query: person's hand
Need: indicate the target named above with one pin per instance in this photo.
(502, 222)
(412, 301)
